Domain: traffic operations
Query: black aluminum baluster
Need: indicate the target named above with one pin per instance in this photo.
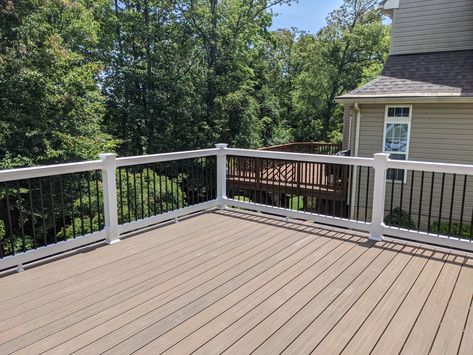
(420, 199)
(120, 192)
(411, 193)
(161, 196)
(81, 207)
(89, 196)
(53, 209)
(367, 191)
(135, 196)
(142, 198)
(441, 204)
(452, 202)
(128, 199)
(462, 211)
(392, 197)
(155, 194)
(99, 207)
(10, 225)
(63, 208)
(358, 195)
(148, 184)
(430, 202)
(33, 227)
(73, 218)
(43, 215)
(20, 212)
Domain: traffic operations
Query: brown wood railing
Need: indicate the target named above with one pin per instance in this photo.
(306, 147)
(258, 178)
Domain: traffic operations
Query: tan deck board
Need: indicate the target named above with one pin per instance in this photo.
(174, 273)
(341, 333)
(149, 283)
(450, 332)
(234, 282)
(382, 272)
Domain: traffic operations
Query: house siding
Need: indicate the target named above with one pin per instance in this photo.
(439, 133)
(432, 26)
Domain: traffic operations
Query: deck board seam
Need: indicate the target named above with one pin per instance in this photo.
(354, 302)
(259, 287)
(333, 300)
(465, 324)
(243, 261)
(448, 303)
(328, 267)
(374, 305)
(270, 256)
(424, 303)
(141, 265)
(177, 241)
(202, 273)
(403, 300)
(143, 242)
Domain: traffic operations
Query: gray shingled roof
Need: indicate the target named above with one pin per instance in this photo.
(440, 74)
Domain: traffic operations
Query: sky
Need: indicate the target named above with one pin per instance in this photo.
(307, 15)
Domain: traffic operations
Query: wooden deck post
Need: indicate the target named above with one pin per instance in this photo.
(221, 175)
(110, 197)
(380, 164)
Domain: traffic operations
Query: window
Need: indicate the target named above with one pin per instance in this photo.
(397, 123)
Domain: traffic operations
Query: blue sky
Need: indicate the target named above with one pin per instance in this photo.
(307, 15)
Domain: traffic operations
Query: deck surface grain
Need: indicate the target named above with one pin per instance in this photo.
(237, 283)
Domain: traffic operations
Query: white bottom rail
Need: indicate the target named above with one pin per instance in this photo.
(50, 250)
(147, 222)
(333, 221)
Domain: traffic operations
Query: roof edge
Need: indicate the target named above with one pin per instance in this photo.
(403, 99)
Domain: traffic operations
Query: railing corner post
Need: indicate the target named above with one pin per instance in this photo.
(221, 175)
(110, 197)
(380, 168)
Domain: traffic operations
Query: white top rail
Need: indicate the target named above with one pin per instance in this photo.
(156, 158)
(310, 158)
(49, 170)
(431, 167)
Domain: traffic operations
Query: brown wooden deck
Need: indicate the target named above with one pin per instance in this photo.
(237, 283)
(319, 180)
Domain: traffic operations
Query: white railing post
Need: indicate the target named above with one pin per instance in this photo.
(110, 196)
(380, 168)
(221, 175)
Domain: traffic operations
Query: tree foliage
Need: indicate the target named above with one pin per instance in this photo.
(51, 108)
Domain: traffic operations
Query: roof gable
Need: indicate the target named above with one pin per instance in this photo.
(441, 74)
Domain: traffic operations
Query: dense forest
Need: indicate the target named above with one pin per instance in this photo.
(79, 77)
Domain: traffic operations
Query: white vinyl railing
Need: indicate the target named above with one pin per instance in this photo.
(109, 163)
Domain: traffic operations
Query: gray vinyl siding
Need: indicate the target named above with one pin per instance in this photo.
(432, 26)
(439, 133)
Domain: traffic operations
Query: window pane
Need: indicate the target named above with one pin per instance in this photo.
(391, 112)
(396, 137)
(405, 111)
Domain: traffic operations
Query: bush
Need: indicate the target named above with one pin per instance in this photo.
(399, 218)
(2, 229)
(242, 198)
(451, 231)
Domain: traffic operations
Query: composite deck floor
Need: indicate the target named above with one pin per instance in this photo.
(236, 283)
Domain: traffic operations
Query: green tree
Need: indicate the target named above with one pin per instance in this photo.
(347, 52)
(51, 108)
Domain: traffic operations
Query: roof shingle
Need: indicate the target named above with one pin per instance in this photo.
(440, 74)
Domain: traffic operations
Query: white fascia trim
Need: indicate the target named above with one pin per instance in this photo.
(386, 99)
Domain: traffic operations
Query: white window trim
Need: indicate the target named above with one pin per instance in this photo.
(405, 120)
